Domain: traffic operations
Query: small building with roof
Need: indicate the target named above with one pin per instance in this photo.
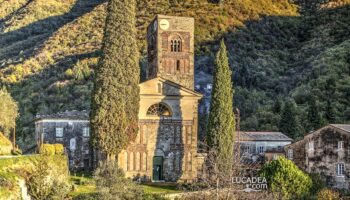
(261, 146)
(325, 151)
(71, 129)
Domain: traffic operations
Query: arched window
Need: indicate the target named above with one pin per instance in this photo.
(159, 110)
(176, 45)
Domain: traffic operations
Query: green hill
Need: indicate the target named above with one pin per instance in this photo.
(48, 50)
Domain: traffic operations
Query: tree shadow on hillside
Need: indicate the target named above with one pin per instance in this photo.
(9, 16)
(43, 29)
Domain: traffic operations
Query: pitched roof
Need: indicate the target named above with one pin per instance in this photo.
(340, 127)
(68, 114)
(263, 136)
(344, 127)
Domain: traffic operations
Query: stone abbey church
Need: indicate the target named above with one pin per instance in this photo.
(166, 145)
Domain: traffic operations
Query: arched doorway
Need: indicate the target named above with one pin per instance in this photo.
(158, 168)
(158, 165)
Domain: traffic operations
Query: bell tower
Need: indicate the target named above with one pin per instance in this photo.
(170, 49)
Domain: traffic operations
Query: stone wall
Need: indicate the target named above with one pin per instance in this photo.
(76, 145)
(325, 155)
(175, 66)
(175, 141)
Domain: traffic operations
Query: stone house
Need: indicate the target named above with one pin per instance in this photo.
(258, 147)
(325, 151)
(70, 128)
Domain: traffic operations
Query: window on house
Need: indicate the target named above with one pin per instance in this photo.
(247, 149)
(59, 132)
(86, 132)
(340, 169)
(311, 145)
(290, 154)
(340, 145)
(261, 149)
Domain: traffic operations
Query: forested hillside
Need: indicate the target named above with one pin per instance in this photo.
(49, 48)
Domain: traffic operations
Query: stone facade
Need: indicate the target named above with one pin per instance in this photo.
(166, 145)
(171, 49)
(326, 152)
(70, 128)
(171, 137)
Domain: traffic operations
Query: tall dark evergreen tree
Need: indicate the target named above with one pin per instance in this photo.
(313, 115)
(115, 98)
(289, 123)
(221, 122)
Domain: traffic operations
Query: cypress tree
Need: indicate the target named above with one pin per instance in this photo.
(289, 123)
(115, 98)
(221, 122)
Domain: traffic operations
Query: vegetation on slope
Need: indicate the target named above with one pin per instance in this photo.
(24, 168)
(275, 54)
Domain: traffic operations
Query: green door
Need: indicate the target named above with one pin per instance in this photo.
(157, 168)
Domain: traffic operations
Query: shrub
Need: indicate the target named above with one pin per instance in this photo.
(59, 149)
(317, 183)
(328, 194)
(46, 182)
(112, 184)
(52, 149)
(286, 180)
(47, 149)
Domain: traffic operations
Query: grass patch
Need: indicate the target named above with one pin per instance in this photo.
(160, 188)
(83, 184)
